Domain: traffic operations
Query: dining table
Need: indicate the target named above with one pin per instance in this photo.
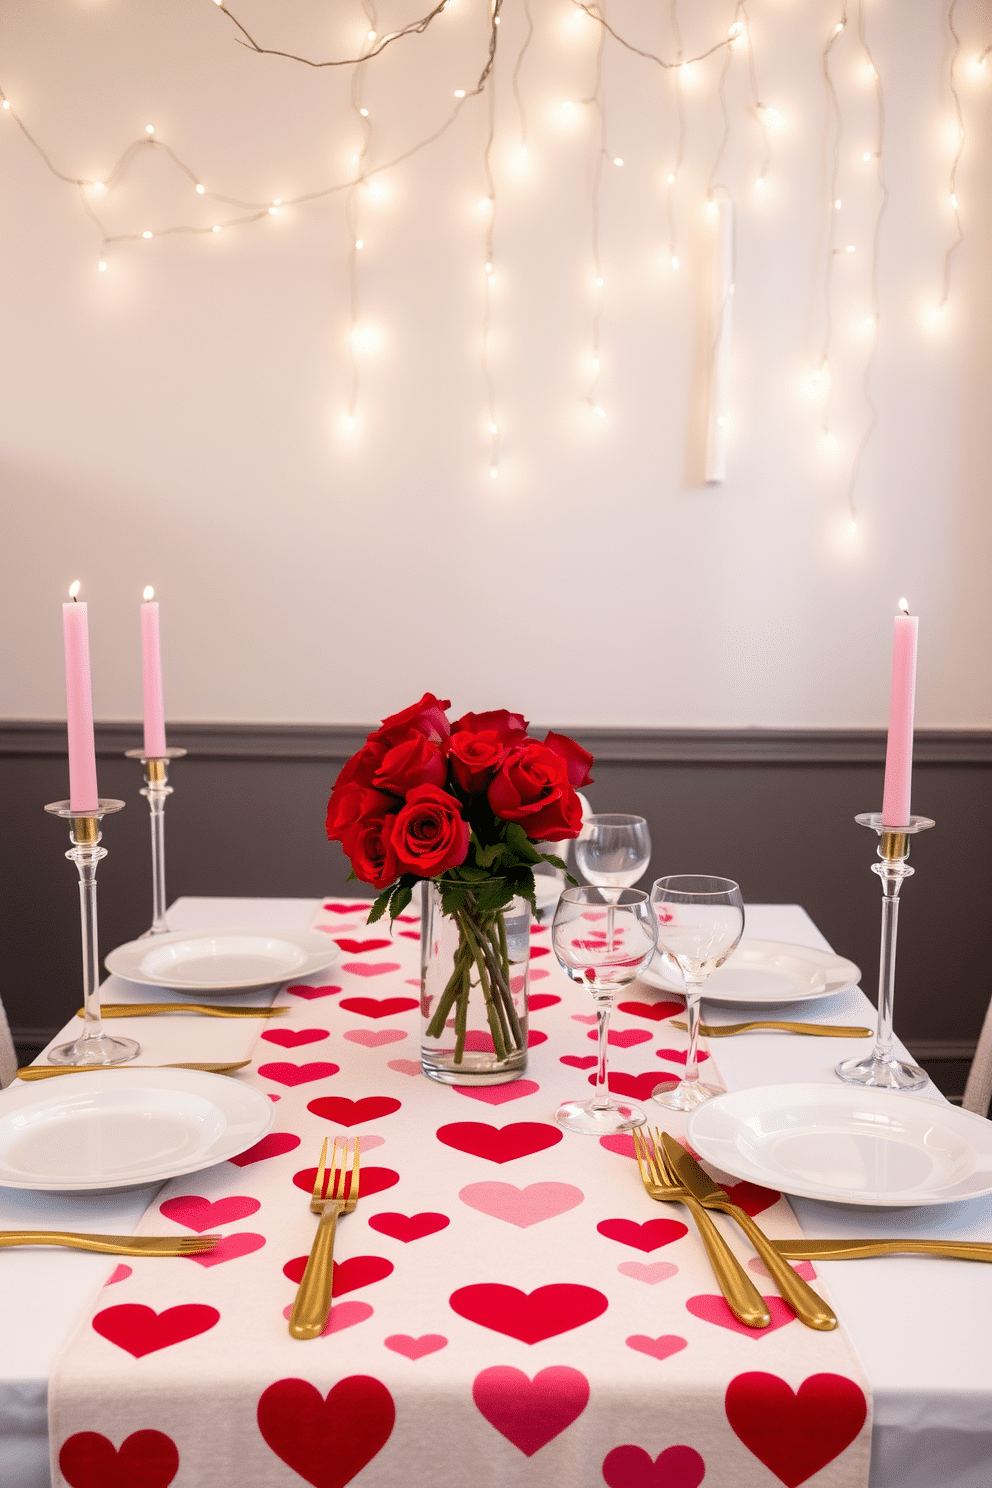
(919, 1325)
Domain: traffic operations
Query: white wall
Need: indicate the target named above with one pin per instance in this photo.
(176, 420)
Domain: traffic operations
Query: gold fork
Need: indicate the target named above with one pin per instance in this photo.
(817, 1030)
(313, 1300)
(740, 1294)
(129, 1245)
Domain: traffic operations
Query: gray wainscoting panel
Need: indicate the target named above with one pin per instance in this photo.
(772, 808)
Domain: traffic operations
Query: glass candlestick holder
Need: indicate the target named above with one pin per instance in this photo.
(881, 1069)
(93, 1046)
(157, 789)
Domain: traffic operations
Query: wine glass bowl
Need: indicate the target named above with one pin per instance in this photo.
(603, 938)
(613, 850)
(700, 922)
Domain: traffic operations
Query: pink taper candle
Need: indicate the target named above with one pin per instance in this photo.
(899, 751)
(83, 795)
(151, 668)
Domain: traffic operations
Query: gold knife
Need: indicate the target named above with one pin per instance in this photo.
(46, 1071)
(808, 1307)
(143, 1009)
(129, 1245)
(818, 1030)
(856, 1250)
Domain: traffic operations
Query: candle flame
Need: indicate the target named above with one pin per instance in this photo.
(904, 606)
(148, 592)
(74, 589)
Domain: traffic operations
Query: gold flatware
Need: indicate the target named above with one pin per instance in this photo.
(856, 1250)
(127, 1245)
(808, 1307)
(740, 1294)
(817, 1030)
(142, 1009)
(46, 1071)
(313, 1300)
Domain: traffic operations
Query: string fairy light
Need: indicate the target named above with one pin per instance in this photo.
(952, 188)
(595, 100)
(487, 376)
(822, 378)
(673, 174)
(521, 111)
(355, 241)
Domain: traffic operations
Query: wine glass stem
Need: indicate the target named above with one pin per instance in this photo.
(602, 1100)
(692, 999)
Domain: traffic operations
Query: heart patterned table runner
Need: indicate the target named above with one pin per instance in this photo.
(510, 1308)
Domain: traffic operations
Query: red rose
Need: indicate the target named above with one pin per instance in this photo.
(350, 804)
(369, 846)
(507, 726)
(577, 760)
(531, 787)
(474, 758)
(414, 762)
(430, 835)
(362, 766)
(426, 717)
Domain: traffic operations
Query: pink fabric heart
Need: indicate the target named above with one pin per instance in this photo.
(713, 1309)
(119, 1273)
(498, 1095)
(522, 1207)
(229, 1249)
(624, 1038)
(342, 1315)
(650, 1272)
(801, 1268)
(584, 1018)
(530, 1413)
(415, 1348)
(368, 969)
(373, 1038)
(658, 1348)
(622, 1144)
(538, 973)
(405, 1066)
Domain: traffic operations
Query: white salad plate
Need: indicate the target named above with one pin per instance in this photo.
(848, 1145)
(122, 1128)
(221, 961)
(764, 971)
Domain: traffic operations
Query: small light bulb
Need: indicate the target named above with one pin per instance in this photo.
(354, 159)
(218, 2)
(850, 247)
(871, 69)
(147, 593)
(493, 472)
(867, 155)
(200, 189)
(216, 227)
(618, 161)
(146, 234)
(675, 262)
(373, 35)
(838, 204)
(495, 20)
(273, 211)
(98, 186)
(712, 208)
(935, 315)
(74, 589)
(831, 441)
(364, 113)
(760, 181)
(595, 363)
(149, 128)
(493, 429)
(869, 320)
(720, 421)
(671, 179)
(852, 527)
(6, 102)
(277, 201)
(349, 423)
(459, 92)
(599, 281)
(484, 202)
(359, 243)
(736, 28)
(523, 152)
(102, 266)
(838, 28)
(489, 268)
(599, 412)
(981, 63)
(954, 201)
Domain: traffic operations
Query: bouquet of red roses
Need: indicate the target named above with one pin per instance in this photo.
(463, 804)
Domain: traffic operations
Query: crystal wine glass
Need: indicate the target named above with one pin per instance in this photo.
(700, 922)
(613, 850)
(603, 938)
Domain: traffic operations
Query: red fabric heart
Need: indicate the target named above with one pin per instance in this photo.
(349, 1275)
(578, 1061)
(530, 1317)
(373, 1180)
(530, 1413)
(632, 1467)
(658, 1348)
(680, 1056)
(274, 1145)
(360, 947)
(638, 1087)
(410, 935)
(326, 1441)
(365, 969)
(242, 1243)
(407, 1227)
(194, 1213)
(651, 1235)
(310, 993)
(292, 1038)
(297, 1074)
(147, 1459)
(536, 951)
(751, 1197)
(713, 1309)
(479, 1041)
(499, 1144)
(348, 909)
(415, 1348)
(795, 1435)
(348, 1112)
(378, 1007)
(342, 1315)
(543, 1000)
(499, 1095)
(658, 1012)
(623, 1038)
(141, 1330)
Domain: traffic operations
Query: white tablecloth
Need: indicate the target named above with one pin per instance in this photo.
(920, 1326)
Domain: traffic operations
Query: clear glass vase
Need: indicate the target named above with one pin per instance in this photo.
(474, 980)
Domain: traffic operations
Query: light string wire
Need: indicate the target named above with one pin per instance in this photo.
(824, 371)
(521, 111)
(945, 290)
(487, 375)
(413, 28)
(595, 99)
(759, 108)
(673, 174)
(352, 202)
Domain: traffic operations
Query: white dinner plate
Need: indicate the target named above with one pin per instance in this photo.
(765, 971)
(848, 1145)
(221, 961)
(122, 1128)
